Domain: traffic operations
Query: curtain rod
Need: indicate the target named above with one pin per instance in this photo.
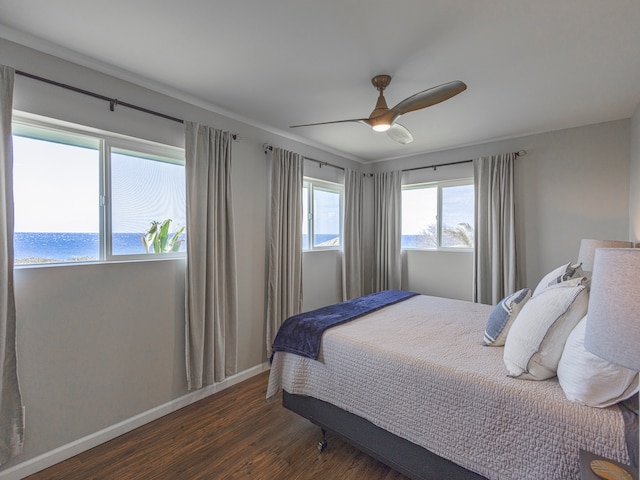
(269, 148)
(519, 153)
(113, 102)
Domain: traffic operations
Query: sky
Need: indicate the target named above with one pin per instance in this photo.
(57, 189)
(419, 207)
(418, 210)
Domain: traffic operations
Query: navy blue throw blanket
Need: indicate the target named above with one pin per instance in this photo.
(301, 334)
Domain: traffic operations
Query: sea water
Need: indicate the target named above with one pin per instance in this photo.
(36, 247)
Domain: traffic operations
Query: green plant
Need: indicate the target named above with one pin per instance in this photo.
(158, 239)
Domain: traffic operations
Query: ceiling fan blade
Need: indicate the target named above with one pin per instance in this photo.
(429, 97)
(354, 120)
(400, 134)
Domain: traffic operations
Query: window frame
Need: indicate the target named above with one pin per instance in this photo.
(107, 142)
(317, 184)
(440, 185)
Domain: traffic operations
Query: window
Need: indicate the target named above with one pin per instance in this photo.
(81, 196)
(146, 188)
(438, 215)
(321, 214)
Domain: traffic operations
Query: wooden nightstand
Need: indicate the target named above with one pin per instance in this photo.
(585, 466)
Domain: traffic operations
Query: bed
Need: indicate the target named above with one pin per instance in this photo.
(412, 385)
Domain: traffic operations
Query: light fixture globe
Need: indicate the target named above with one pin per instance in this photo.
(381, 127)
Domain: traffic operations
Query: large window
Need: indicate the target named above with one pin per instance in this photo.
(80, 196)
(322, 215)
(438, 215)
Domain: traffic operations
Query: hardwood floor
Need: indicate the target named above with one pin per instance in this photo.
(234, 434)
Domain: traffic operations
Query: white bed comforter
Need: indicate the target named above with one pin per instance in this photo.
(418, 369)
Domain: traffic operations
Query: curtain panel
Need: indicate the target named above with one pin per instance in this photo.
(11, 408)
(352, 263)
(211, 286)
(284, 291)
(495, 274)
(387, 201)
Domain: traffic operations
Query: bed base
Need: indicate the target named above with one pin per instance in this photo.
(398, 453)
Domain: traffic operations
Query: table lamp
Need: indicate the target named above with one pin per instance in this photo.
(588, 250)
(613, 320)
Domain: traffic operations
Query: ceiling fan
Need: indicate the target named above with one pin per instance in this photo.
(383, 118)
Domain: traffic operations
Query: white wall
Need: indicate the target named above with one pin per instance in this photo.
(634, 179)
(88, 354)
(321, 278)
(441, 274)
(574, 185)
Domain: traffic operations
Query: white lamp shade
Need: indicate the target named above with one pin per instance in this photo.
(613, 320)
(588, 250)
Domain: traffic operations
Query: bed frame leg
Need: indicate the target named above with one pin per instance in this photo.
(322, 444)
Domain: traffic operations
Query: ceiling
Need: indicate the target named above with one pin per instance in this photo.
(530, 66)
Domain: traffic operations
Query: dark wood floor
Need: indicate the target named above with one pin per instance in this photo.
(234, 434)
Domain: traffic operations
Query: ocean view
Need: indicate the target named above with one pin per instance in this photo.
(35, 247)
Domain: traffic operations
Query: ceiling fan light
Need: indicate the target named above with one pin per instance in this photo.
(381, 127)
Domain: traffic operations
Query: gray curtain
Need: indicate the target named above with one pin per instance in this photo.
(284, 292)
(352, 266)
(387, 201)
(210, 294)
(11, 409)
(495, 232)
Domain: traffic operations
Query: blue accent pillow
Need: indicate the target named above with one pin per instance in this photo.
(502, 316)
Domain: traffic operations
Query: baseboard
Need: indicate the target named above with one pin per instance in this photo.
(69, 450)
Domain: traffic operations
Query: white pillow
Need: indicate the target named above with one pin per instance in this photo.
(590, 380)
(536, 339)
(559, 275)
(502, 316)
